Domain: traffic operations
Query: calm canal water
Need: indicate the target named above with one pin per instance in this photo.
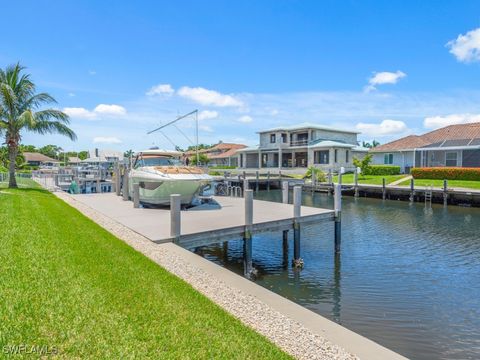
(407, 277)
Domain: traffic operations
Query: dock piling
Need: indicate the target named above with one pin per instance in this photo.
(257, 180)
(175, 215)
(445, 192)
(125, 185)
(412, 190)
(356, 181)
(384, 189)
(268, 181)
(247, 235)
(245, 186)
(285, 248)
(297, 206)
(136, 196)
(338, 216)
(117, 179)
(285, 192)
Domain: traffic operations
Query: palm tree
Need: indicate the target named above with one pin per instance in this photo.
(20, 109)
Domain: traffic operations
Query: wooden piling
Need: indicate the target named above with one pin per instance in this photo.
(285, 192)
(285, 248)
(338, 216)
(445, 192)
(297, 206)
(118, 178)
(247, 235)
(268, 181)
(256, 180)
(412, 190)
(175, 215)
(384, 189)
(98, 187)
(125, 194)
(245, 186)
(356, 182)
(136, 196)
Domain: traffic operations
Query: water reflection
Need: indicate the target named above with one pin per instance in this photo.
(407, 276)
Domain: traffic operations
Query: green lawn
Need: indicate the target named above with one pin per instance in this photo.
(369, 179)
(439, 183)
(67, 283)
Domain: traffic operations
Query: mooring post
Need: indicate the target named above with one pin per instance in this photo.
(98, 187)
(285, 248)
(297, 206)
(412, 190)
(384, 189)
(125, 185)
(117, 179)
(175, 215)
(445, 192)
(257, 175)
(247, 235)
(330, 177)
(136, 196)
(244, 175)
(268, 180)
(338, 216)
(356, 182)
(285, 192)
(245, 186)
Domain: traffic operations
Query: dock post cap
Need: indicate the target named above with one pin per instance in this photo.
(337, 199)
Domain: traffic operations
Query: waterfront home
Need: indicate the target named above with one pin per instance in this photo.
(303, 145)
(454, 145)
(222, 154)
(103, 158)
(37, 159)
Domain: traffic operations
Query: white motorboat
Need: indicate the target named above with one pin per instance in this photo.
(161, 173)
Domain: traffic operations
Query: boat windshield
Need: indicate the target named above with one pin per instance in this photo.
(157, 161)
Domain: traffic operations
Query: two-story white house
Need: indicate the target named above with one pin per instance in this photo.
(304, 145)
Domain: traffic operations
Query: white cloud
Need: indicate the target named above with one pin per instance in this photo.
(466, 48)
(245, 119)
(207, 114)
(160, 89)
(206, 128)
(384, 77)
(209, 97)
(435, 122)
(385, 128)
(79, 113)
(106, 140)
(71, 94)
(92, 72)
(112, 109)
(101, 109)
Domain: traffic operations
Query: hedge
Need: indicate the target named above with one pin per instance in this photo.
(446, 173)
(383, 170)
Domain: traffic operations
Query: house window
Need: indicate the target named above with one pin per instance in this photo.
(388, 159)
(284, 138)
(336, 155)
(321, 157)
(347, 156)
(272, 138)
(451, 159)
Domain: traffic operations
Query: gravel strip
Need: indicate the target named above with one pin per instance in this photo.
(286, 333)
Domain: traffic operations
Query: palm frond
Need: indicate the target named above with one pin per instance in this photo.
(39, 99)
(51, 127)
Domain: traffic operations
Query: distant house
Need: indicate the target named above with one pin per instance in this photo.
(74, 160)
(37, 159)
(294, 147)
(454, 145)
(222, 154)
(105, 158)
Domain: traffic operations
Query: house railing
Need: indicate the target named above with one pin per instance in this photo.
(299, 143)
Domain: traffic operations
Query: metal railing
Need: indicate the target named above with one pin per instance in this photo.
(23, 180)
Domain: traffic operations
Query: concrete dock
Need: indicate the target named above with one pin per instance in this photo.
(203, 226)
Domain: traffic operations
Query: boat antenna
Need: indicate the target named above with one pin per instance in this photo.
(180, 118)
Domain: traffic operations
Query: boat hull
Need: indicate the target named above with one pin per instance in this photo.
(156, 190)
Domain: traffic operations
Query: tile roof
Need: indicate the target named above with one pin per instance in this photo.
(462, 134)
(33, 156)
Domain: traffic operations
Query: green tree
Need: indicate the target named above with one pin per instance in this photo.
(363, 164)
(202, 159)
(21, 108)
(128, 154)
(82, 155)
(52, 151)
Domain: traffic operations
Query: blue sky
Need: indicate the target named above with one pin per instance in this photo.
(385, 68)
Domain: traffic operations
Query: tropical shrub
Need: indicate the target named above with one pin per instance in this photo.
(446, 173)
(383, 170)
(363, 164)
(315, 173)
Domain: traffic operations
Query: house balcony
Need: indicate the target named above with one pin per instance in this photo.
(299, 143)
